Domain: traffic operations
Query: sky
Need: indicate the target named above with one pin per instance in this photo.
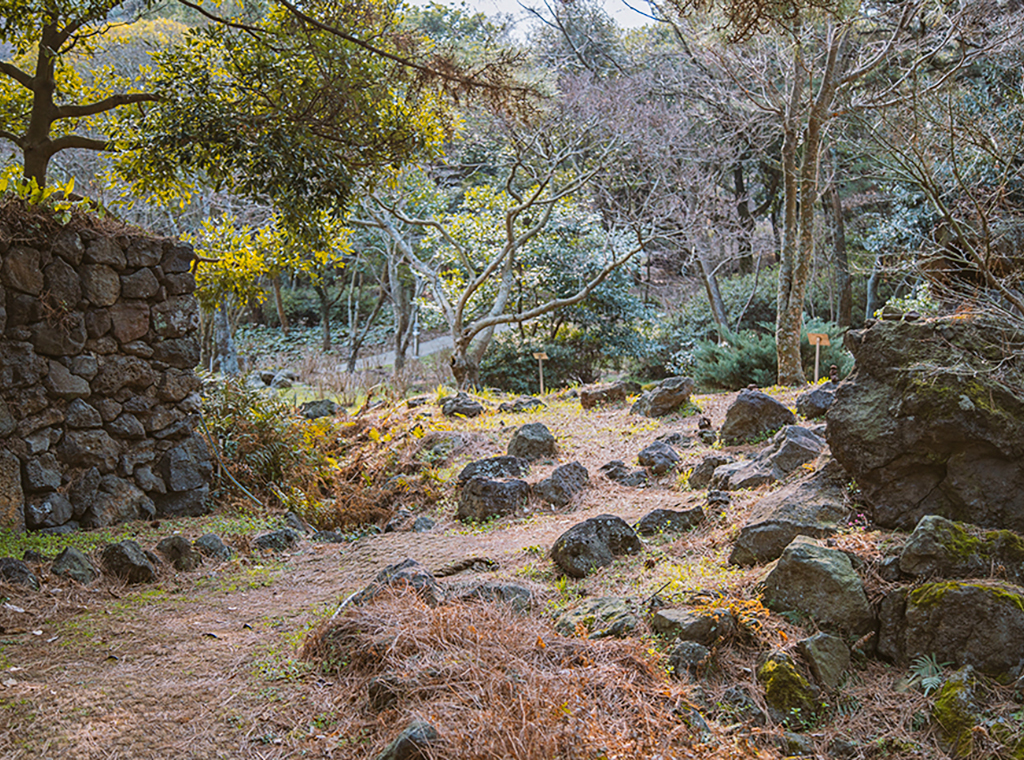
(622, 13)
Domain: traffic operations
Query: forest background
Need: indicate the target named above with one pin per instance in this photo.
(692, 196)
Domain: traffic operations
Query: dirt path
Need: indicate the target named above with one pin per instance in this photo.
(206, 665)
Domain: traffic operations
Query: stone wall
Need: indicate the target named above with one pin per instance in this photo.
(99, 402)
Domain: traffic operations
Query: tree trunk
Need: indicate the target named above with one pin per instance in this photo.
(225, 343)
(707, 274)
(275, 281)
(465, 370)
(745, 238)
(844, 286)
(872, 295)
(325, 316)
(789, 313)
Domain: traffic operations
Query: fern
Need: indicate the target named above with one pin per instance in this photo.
(926, 671)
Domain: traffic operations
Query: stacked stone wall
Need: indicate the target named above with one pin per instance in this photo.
(99, 402)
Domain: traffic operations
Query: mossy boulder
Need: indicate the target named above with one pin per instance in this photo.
(598, 618)
(926, 427)
(947, 549)
(789, 695)
(978, 623)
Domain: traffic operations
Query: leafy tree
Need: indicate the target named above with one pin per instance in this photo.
(290, 106)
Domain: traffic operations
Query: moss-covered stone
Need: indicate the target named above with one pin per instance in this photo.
(788, 694)
(956, 712)
(941, 547)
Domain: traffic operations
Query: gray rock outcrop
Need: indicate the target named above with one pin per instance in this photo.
(564, 483)
(482, 499)
(925, 426)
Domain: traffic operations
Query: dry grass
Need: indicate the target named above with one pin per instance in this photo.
(499, 691)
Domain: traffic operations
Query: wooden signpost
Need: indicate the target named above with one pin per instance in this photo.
(817, 340)
(540, 356)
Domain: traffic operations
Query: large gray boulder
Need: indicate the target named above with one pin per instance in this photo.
(706, 627)
(978, 623)
(751, 415)
(822, 584)
(662, 521)
(926, 427)
(702, 473)
(670, 394)
(72, 563)
(812, 506)
(533, 441)
(594, 543)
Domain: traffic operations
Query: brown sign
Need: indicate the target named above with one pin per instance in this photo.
(818, 339)
(540, 356)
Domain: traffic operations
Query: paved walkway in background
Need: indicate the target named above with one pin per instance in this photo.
(427, 348)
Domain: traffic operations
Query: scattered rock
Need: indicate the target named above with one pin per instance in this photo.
(461, 404)
(925, 426)
(827, 656)
(210, 545)
(17, 572)
(600, 395)
(563, 484)
(72, 563)
(519, 598)
(128, 561)
(296, 523)
(813, 506)
(790, 447)
(314, 410)
(406, 574)
(277, 540)
(328, 537)
(180, 553)
(738, 704)
(422, 524)
(594, 543)
(481, 499)
(412, 743)
(604, 617)
(706, 627)
(659, 458)
(669, 521)
(821, 583)
(533, 441)
(617, 471)
(701, 475)
(495, 467)
(670, 395)
(400, 522)
(688, 657)
(752, 415)
(522, 404)
(815, 402)
(943, 548)
(476, 564)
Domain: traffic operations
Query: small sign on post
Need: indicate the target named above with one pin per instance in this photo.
(540, 356)
(817, 340)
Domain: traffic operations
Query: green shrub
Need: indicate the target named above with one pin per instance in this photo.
(509, 364)
(749, 357)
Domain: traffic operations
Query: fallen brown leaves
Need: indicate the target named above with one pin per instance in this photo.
(495, 686)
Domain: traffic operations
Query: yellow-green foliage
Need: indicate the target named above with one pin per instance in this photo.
(785, 689)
